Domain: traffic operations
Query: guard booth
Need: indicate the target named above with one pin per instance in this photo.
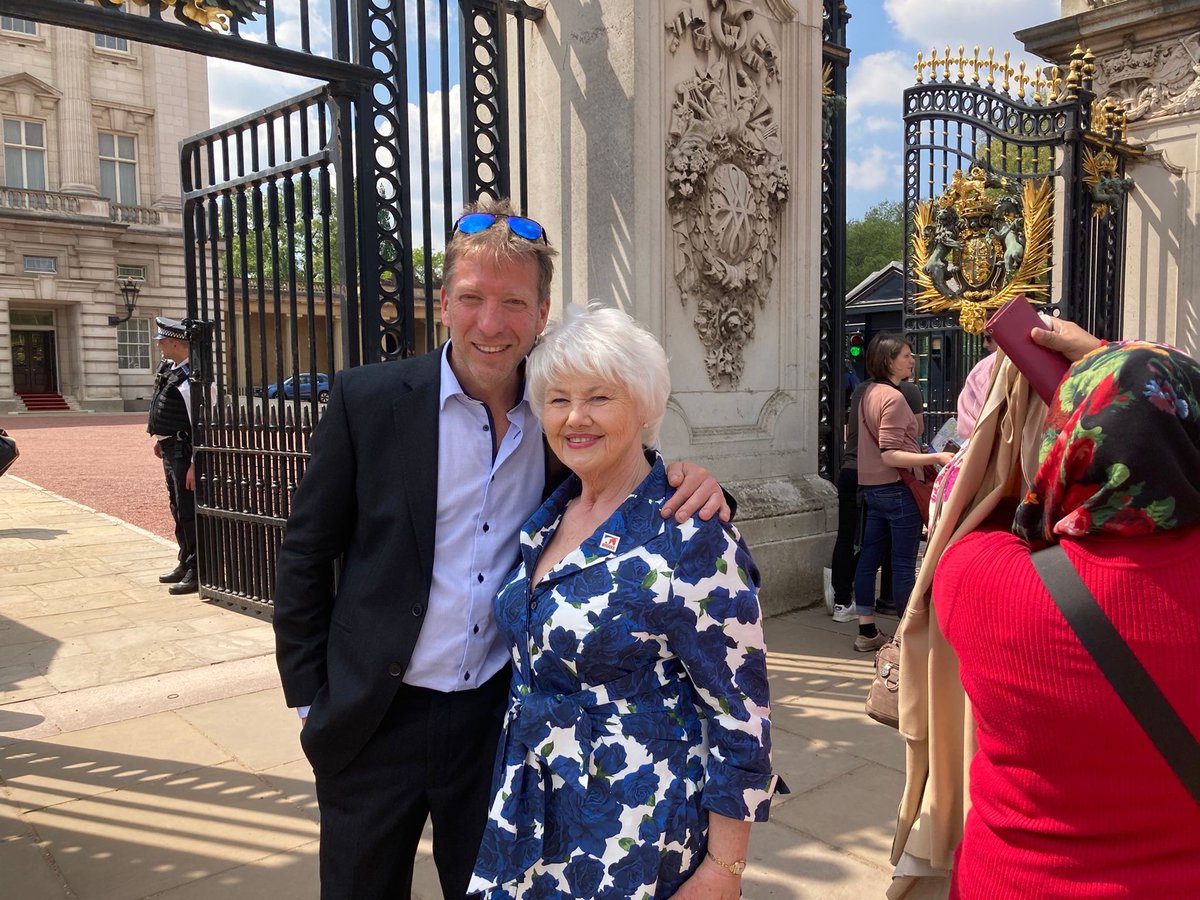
(313, 227)
(1014, 182)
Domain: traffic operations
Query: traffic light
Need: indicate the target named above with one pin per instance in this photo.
(856, 346)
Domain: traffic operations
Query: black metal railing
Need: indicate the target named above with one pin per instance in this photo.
(261, 219)
(303, 223)
(831, 394)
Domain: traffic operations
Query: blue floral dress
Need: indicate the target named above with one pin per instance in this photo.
(639, 704)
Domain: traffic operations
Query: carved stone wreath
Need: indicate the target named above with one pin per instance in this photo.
(726, 179)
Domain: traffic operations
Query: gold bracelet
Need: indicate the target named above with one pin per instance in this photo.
(737, 867)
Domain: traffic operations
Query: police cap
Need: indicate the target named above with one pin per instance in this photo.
(170, 328)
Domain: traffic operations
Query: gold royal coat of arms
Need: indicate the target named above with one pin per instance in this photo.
(986, 239)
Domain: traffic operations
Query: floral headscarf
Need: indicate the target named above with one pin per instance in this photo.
(1121, 450)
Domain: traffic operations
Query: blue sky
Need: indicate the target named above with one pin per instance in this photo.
(884, 37)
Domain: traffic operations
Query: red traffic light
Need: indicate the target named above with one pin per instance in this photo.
(856, 345)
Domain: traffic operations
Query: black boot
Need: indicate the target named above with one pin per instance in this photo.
(189, 584)
(175, 576)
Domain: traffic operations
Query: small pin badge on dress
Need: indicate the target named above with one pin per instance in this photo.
(609, 542)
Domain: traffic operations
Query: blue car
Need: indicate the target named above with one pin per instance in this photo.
(303, 386)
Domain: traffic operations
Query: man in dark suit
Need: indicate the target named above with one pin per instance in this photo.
(422, 472)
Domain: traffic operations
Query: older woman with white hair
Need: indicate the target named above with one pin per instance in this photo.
(637, 749)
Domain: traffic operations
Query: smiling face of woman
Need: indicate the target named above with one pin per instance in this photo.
(593, 426)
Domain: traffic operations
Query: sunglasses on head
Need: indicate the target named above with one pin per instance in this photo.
(473, 223)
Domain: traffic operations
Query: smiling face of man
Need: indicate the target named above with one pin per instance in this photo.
(494, 314)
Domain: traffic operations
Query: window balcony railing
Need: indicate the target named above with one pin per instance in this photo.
(133, 215)
(38, 201)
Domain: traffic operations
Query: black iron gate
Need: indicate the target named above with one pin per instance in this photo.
(831, 393)
(1013, 183)
(329, 197)
(311, 227)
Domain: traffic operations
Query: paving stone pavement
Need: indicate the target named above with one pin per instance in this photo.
(145, 750)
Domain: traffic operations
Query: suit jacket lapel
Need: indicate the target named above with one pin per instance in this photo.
(415, 418)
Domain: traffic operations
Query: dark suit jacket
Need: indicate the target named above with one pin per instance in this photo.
(369, 496)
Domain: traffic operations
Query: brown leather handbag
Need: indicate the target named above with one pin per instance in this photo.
(883, 699)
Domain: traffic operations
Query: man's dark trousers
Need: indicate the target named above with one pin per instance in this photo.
(176, 458)
(432, 757)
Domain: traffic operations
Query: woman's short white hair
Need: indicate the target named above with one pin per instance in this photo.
(606, 344)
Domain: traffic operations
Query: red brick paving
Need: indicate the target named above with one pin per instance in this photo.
(106, 462)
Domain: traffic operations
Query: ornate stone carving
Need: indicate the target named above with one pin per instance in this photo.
(1154, 80)
(726, 178)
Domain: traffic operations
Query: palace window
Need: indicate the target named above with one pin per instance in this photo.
(118, 168)
(41, 265)
(20, 26)
(133, 345)
(25, 154)
(111, 42)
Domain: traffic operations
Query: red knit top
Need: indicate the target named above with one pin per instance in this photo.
(1069, 797)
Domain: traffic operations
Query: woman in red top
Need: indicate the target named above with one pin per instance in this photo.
(1069, 796)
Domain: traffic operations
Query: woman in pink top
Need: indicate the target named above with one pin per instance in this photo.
(887, 441)
(1069, 796)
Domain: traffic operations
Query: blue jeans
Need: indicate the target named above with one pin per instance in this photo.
(890, 509)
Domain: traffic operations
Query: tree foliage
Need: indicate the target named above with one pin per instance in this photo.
(874, 241)
(275, 252)
(266, 249)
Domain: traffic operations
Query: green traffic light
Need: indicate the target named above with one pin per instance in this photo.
(856, 351)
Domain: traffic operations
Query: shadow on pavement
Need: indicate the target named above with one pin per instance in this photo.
(126, 826)
(25, 655)
(32, 534)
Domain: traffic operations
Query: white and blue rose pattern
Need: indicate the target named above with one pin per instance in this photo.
(639, 704)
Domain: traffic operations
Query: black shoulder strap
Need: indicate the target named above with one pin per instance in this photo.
(1128, 677)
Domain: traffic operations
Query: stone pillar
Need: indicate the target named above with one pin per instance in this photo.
(1148, 57)
(678, 147)
(77, 155)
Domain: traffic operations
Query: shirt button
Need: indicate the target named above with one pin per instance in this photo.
(481, 578)
(487, 428)
(395, 670)
(467, 676)
(417, 609)
(485, 527)
(475, 630)
(533, 604)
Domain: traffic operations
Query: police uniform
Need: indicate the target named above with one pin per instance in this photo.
(170, 423)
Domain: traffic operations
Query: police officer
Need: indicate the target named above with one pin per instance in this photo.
(171, 425)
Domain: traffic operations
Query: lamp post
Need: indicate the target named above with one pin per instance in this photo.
(130, 291)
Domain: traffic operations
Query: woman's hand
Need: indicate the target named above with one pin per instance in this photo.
(710, 882)
(696, 492)
(943, 459)
(1066, 338)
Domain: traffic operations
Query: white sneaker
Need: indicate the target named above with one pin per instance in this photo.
(847, 613)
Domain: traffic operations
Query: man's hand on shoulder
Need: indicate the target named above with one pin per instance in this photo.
(696, 493)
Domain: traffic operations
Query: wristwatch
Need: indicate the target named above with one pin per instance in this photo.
(737, 867)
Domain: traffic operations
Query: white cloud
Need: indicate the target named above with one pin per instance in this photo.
(236, 89)
(874, 167)
(877, 80)
(982, 23)
(875, 124)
